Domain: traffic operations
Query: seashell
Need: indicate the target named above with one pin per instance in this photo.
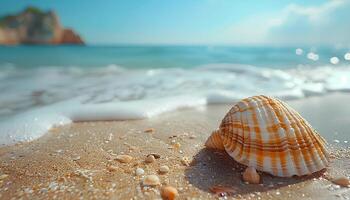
(251, 176)
(151, 180)
(185, 161)
(149, 130)
(342, 181)
(124, 158)
(267, 134)
(139, 171)
(222, 190)
(155, 155)
(3, 176)
(150, 159)
(169, 193)
(164, 169)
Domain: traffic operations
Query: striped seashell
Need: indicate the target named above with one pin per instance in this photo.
(267, 134)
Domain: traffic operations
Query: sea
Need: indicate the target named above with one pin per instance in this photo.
(47, 86)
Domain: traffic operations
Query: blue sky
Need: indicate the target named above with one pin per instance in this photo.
(252, 22)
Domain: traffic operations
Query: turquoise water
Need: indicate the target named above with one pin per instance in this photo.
(47, 86)
(161, 56)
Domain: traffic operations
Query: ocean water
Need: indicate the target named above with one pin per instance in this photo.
(46, 86)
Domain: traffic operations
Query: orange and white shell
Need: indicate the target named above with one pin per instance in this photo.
(267, 134)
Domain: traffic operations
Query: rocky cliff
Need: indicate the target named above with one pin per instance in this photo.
(33, 26)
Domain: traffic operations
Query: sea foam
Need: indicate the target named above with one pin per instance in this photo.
(39, 99)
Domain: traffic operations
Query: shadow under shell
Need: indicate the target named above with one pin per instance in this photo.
(212, 168)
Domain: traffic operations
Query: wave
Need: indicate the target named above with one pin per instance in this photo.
(41, 98)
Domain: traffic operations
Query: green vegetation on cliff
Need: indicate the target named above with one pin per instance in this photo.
(4, 20)
(34, 10)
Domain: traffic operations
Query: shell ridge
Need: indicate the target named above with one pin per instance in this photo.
(256, 133)
(277, 112)
(271, 147)
(252, 134)
(301, 129)
(265, 118)
(322, 153)
(272, 156)
(230, 139)
(317, 157)
(323, 145)
(277, 148)
(237, 148)
(246, 131)
(320, 158)
(269, 161)
(325, 148)
(293, 152)
(285, 153)
(229, 143)
(323, 156)
(302, 136)
(215, 140)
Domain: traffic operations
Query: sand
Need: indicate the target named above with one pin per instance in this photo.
(79, 160)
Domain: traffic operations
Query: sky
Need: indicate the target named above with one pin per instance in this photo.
(222, 22)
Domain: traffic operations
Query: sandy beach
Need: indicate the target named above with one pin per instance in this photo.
(174, 100)
(79, 160)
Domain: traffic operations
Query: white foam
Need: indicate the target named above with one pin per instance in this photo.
(36, 122)
(39, 99)
(299, 51)
(347, 56)
(334, 60)
(224, 97)
(312, 56)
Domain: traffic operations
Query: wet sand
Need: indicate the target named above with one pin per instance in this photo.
(78, 160)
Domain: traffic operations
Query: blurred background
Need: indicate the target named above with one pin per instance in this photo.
(153, 33)
(209, 51)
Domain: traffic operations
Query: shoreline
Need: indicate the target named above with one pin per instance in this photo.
(78, 160)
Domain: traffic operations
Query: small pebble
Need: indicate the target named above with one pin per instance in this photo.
(43, 190)
(75, 157)
(169, 193)
(150, 159)
(112, 168)
(221, 190)
(139, 171)
(156, 155)
(151, 180)
(149, 130)
(61, 179)
(185, 161)
(342, 181)
(164, 169)
(124, 158)
(59, 151)
(177, 145)
(3, 176)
